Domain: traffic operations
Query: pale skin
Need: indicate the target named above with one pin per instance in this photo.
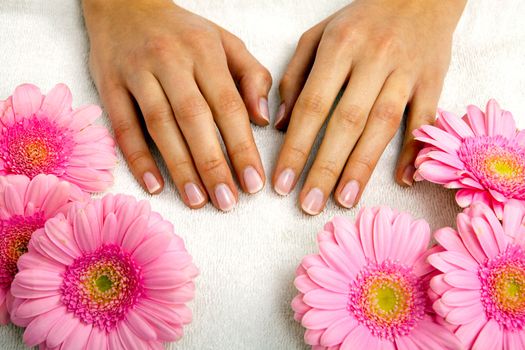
(184, 76)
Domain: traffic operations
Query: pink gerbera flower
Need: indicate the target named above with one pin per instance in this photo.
(110, 274)
(481, 290)
(43, 135)
(25, 205)
(481, 154)
(367, 287)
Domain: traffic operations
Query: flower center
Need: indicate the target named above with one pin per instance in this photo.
(503, 288)
(498, 163)
(387, 298)
(35, 146)
(15, 234)
(100, 287)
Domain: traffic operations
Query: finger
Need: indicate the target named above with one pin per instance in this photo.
(343, 131)
(130, 138)
(253, 79)
(421, 111)
(296, 73)
(326, 78)
(162, 127)
(382, 124)
(232, 120)
(196, 123)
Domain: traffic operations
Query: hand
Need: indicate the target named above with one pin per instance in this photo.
(389, 53)
(182, 71)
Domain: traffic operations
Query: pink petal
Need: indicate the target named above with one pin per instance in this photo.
(140, 326)
(357, 339)
(27, 99)
(450, 240)
(337, 332)
(38, 329)
(13, 201)
(97, 340)
(485, 236)
(447, 158)
(323, 299)
(59, 233)
(108, 233)
(469, 331)
(467, 314)
(476, 120)
(57, 102)
(490, 337)
(329, 279)
(165, 331)
(337, 259)
(135, 234)
(469, 238)
(418, 242)
(78, 338)
(114, 342)
(441, 308)
(313, 336)
(151, 248)
(430, 335)
(382, 235)
(46, 247)
(461, 297)
(31, 308)
(513, 213)
(321, 319)
(438, 284)
(492, 116)
(406, 343)
(57, 198)
(298, 304)
(366, 221)
(464, 197)
(455, 125)
(455, 260)
(166, 279)
(62, 329)
(35, 279)
(438, 172)
(304, 284)
(181, 294)
(445, 141)
(129, 339)
(349, 242)
(84, 116)
(463, 279)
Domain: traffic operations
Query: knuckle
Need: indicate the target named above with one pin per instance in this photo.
(387, 45)
(191, 108)
(311, 103)
(210, 165)
(201, 38)
(343, 33)
(328, 169)
(243, 147)
(158, 118)
(296, 153)
(263, 75)
(122, 129)
(181, 163)
(364, 162)
(135, 158)
(351, 117)
(388, 113)
(286, 82)
(229, 103)
(159, 46)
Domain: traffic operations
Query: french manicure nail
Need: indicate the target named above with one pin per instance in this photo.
(194, 194)
(313, 202)
(225, 198)
(349, 194)
(151, 182)
(408, 175)
(252, 180)
(280, 114)
(284, 182)
(263, 109)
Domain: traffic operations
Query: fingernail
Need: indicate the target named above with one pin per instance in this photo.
(280, 114)
(284, 183)
(263, 109)
(408, 175)
(349, 194)
(151, 182)
(313, 202)
(252, 180)
(195, 196)
(225, 198)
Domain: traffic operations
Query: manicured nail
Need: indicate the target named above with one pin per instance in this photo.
(225, 198)
(263, 109)
(408, 175)
(280, 114)
(151, 182)
(313, 202)
(252, 180)
(284, 183)
(195, 196)
(349, 194)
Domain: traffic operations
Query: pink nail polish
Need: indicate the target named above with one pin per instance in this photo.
(313, 202)
(252, 180)
(408, 175)
(151, 182)
(194, 194)
(225, 198)
(284, 182)
(263, 109)
(280, 114)
(349, 194)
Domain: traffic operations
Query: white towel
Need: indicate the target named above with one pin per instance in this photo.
(247, 257)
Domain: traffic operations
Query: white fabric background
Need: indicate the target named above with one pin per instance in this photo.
(247, 257)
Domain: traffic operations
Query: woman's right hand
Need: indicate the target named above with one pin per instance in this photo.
(182, 71)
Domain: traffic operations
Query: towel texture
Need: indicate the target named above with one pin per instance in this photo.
(247, 257)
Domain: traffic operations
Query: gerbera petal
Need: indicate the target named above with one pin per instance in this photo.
(164, 330)
(83, 232)
(304, 284)
(469, 238)
(357, 339)
(38, 279)
(455, 260)
(475, 118)
(466, 314)
(337, 259)
(469, 331)
(461, 297)
(34, 307)
(438, 284)
(382, 235)
(464, 197)
(326, 300)
(337, 331)
(97, 340)
(463, 279)
(37, 330)
(313, 337)
(27, 99)
(299, 306)
(513, 213)
(490, 337)
(321, 319)
(84, 116)
(329, 279)
(449, 239)
(57, 102)
(492, 117)
(446, 158)
(438, 172)
(78, 338)
(135, 234)
(365, 221)
(62, 329)
(485, 236)
(455, 125)
(140, 326)
(151, 248)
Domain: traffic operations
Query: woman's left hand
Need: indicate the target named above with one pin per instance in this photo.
(390, 53)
